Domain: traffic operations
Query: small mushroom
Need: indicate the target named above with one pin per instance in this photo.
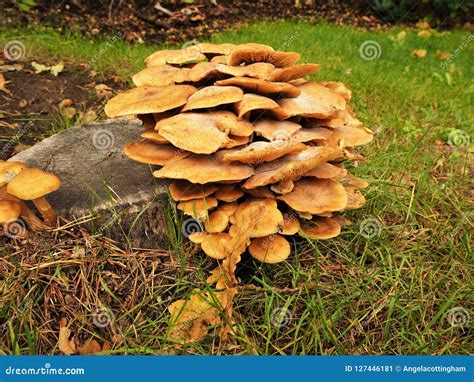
(217, 222)
(213, 245)
(182, 190)
(291, 224)
(152, 153)
(327, 171)
(251, 102)
(9, 169)
(33, 184)
(292, 72)
(260, 70)
(10, 211)
(321, 228)
(154, 137)
(270, 249)
(276, 130)
(198, 208)
(212, 96)
(259, 152)
(263, 87)
(270, 219)
(174, 57)
(249, 55)
(229, 193)
(161, 75)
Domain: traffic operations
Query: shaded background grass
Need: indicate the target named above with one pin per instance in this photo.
(388, 294)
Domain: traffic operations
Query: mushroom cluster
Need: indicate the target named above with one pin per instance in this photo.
(253, 150)
(18, 185)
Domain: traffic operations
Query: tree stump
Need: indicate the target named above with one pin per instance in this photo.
(121, 196)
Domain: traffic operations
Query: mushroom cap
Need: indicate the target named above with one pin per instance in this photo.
(350, 180)
(197, 237)
(259, 152)
(194, 132)
(148, 99)
(213, 245)
(270, 249)
(212, 96)
(291, 166)
(235, 141)
(326, 171)
(250, 102)
(291, 224)
(204, 169)
(321, 228)
(249, 55)
(148, 121)
(217, 222)
(260, 192)
(227, 121)
(339, 88)
(203, 71)
(259, 70)
(283, 187)
(152, 153)
(219, 60)
(275, 130)
(10, 211)
(154, 136)
(210, 49)
(354, 198)
(182, 190)
(9, 169)
(292, 72)
(256, 85)
(229, 193)
(314, 101)
(315, 133)
(228, 208)
(33, 183)
(350, 136)
(174, 57)
(268, 219)
(198, 208)
(161, 75)
(316, 196)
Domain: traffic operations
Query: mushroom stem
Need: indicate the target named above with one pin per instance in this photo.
(45, 210)
(33, 221)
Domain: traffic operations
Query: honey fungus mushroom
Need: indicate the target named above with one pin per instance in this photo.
(34, 184)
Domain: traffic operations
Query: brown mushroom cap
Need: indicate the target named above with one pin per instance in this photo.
(197, 237)
(259, 70)
(314, 101)
(182, 190)
(212, 96)
(326, 171)
(33, 183)
(258, 86)
(154, 136)
(292, 72)
(152, 153)
(258, 152)
(210, 49)
(227, 121)
(204, 169)
(148, 99)
(219, 60)
(217, 222)
(339, 88)
(316, 196)
(213, 245)
(161, 75)
(250, 102)
(228, 208)
(229, 193)
(321, 228)
(194, 132)
(270, 249)
(260, 192)
(307, 135)
(174, 57)
(10, 211)
(291, 224)
(203, 71)
(350, 136)
(354, 198)
(198, 208)
(283, 187)
(276, 130)
(269, 218)
(249, 55)
(9, 169)
(235, 141)
(350, 180)
(291, 166)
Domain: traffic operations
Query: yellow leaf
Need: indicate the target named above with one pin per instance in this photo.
(39, 68)
(56, 69)
(425, 33)
(419, 53)
(3, 82)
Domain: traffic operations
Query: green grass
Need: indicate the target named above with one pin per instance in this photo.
(389, 294)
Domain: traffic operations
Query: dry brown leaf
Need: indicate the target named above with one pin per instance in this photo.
(66, 345)
(90, 347)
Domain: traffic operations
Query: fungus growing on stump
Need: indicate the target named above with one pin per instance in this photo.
(253, 148)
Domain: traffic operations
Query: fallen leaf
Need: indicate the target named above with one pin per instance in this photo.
(3, 82)
(66, 345)
(39, 68)
(90, 347)
(68, 112)
(442, 55)
(103, 90)
(419, 53)
(425, 33)
(56, 69)
(11, 68)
